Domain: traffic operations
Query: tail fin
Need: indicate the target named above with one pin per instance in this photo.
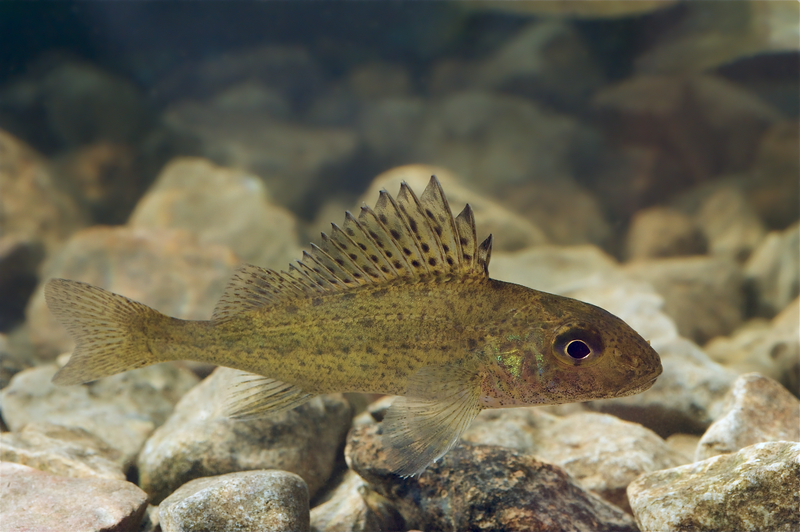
(108, 329)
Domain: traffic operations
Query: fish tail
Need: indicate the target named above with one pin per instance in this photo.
(109, 330)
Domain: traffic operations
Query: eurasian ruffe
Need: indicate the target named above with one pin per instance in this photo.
(398, 301)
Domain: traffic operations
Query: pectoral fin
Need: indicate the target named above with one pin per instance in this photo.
(422, 426)
(252, 396)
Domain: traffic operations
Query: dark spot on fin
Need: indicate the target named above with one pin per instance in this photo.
(380, 246)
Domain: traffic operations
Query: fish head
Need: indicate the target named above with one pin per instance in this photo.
(575, 352)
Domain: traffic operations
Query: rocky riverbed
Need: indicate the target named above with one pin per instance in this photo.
(665, 192)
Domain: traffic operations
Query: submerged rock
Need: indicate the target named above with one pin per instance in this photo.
(199, 440)
(658, 232)
(771, 272)
(703, 295)
(602, 453)
(754, 489)
(250, 501)
(354, 507)
(33, 500)
(221, 206)
(730, 223)
(169, 270)
(757, 409)
(770, 348)
(122, 410)
(60, 450)
(483, 487)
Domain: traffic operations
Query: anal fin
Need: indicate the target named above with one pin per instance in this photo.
(425, 424)
(252, 396)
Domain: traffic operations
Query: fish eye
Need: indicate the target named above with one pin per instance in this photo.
(577, 344)
(578, 349)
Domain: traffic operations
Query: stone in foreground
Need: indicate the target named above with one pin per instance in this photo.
(33, 500)
(483, 488)
(250, 501)
(752, 490)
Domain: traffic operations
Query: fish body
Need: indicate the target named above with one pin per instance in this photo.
(397, 302)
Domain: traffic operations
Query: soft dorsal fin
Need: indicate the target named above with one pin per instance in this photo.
(408, 238)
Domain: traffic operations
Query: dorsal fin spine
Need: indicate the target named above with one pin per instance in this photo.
(352, 220)
(337, 234)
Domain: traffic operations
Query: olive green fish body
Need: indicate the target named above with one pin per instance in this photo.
(397, 301)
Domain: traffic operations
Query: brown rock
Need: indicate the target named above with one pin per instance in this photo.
(250, 501)
(483, 487)
(663, 232)
(758, 409)
(33, 208)
(221, 206)
(60, 450)
(33, 500)
(704, 125)
(754, 489)
(773, 187)
(199, 440)
(602, 453)
(168, 270)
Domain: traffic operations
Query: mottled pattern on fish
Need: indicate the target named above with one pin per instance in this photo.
(398, 301)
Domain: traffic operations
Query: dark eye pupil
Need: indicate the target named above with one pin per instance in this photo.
(578, 349)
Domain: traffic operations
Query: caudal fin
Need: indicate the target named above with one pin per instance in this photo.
(108, 329)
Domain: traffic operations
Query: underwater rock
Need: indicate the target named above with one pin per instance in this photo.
(602, 453)
(167, 269)
(731, 225)
(64, 103)
(757, 409)
(545, 61)
(60, 450)
(703, 125)
(353, 507)
(771, 272)
(477, 135)
(289, 70)
(773, 186)
(379, 80)
(710, 34)
(122, 410)
(754, 489)
(221, 206)
(567, 212)
(250, 501)
(106, 177)
(291, 158)
(685, 445)
(10, 364)
(657, 232)
(703, 295)
(481, 487)
(33, 500)
(511, 230)
(34, 209)
(199, 440)
(770, 348)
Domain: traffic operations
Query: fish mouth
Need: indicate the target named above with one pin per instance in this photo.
(638, 387)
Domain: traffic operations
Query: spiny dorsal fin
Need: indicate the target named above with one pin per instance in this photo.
(409, 238)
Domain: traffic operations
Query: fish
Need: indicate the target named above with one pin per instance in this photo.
(396, 301)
